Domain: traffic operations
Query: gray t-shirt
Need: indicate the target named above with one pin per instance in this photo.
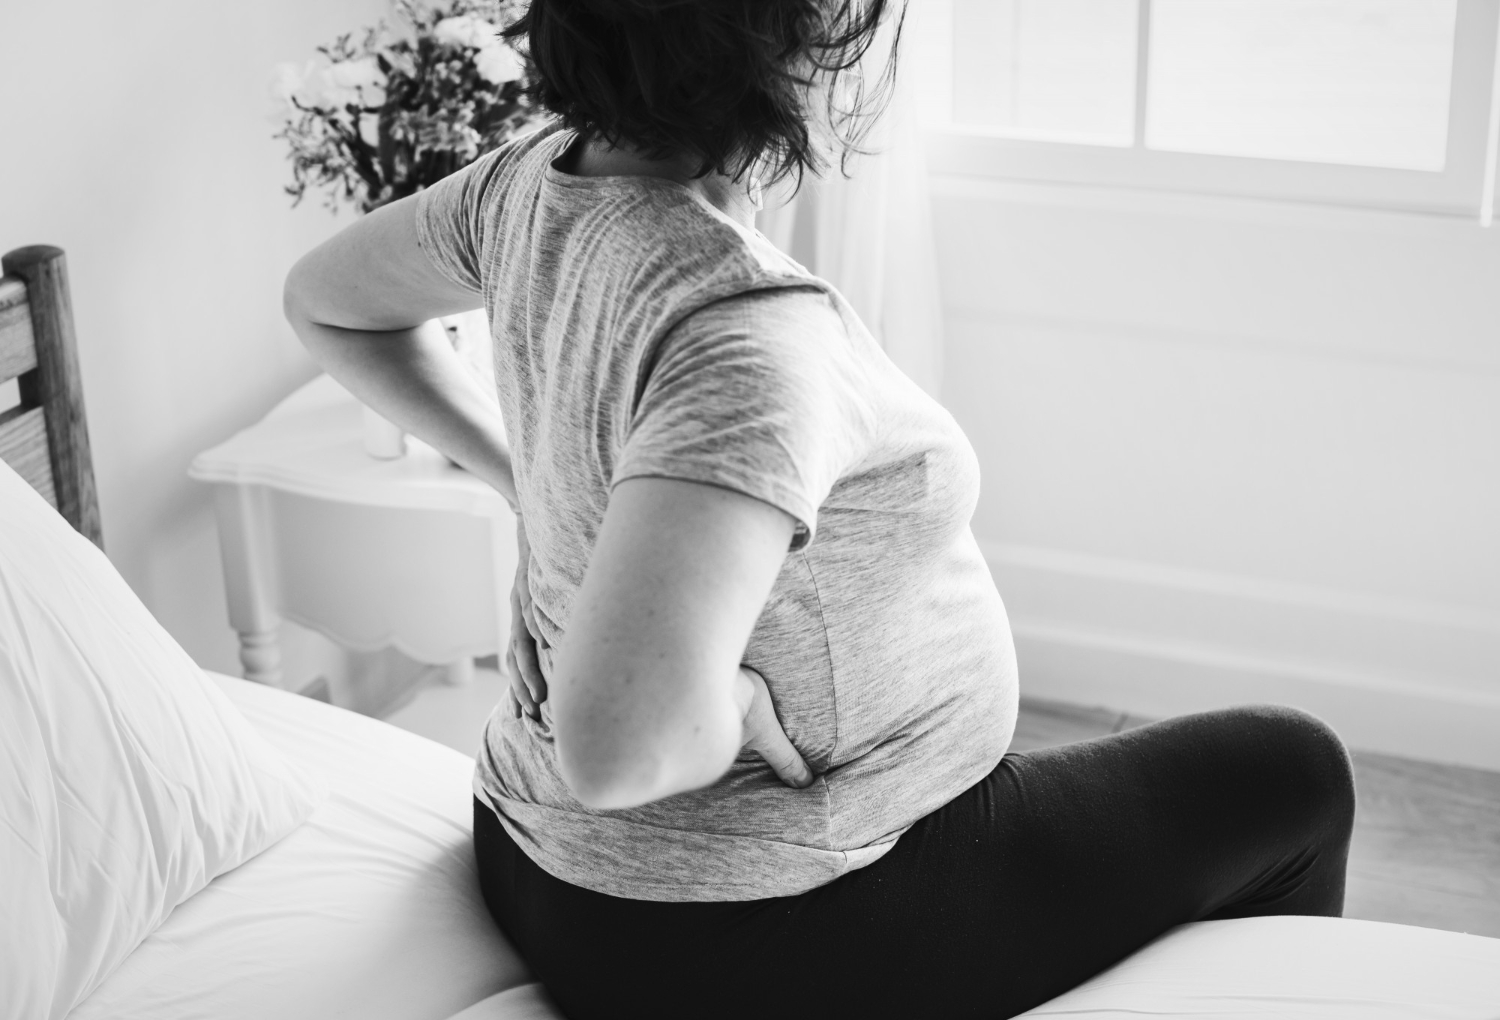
(640, 331)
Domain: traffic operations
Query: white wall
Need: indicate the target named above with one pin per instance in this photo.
(1236, 451)
(136, 137)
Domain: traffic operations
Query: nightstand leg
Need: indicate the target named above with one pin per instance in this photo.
(260, 656)
(249, 585)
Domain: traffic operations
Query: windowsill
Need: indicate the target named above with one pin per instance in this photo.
(1197, 204)
(1452, 195)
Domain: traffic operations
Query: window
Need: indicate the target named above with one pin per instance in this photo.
(1361, 82)
(1061, 70)
(1390, 103)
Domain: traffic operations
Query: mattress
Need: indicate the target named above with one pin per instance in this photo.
(371, 909)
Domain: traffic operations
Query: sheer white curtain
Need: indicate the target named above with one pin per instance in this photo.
(870, 235)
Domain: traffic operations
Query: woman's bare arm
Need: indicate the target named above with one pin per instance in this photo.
(648, 697)
(364, 304)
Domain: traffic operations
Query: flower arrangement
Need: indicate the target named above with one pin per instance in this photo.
(379, 119)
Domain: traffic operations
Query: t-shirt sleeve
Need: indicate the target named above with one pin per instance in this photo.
(450, 220)
(758, 393)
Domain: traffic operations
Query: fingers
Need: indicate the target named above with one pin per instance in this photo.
(521, 659)
(518, 691)
(526, 637)
(764, 736)
(528, 689)
(785, 761)
(523, 651)
(528, 655)
(528, 615)
(528, 668)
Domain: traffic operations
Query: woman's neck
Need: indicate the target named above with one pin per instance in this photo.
(595, 158)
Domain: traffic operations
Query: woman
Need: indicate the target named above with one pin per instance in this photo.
(755, 762)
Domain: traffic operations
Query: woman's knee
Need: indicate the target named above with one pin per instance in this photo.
(1321, 773)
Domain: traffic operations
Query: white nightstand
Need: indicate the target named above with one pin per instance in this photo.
(412, 553)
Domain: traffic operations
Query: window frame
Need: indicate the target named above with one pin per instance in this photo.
(1464, 187)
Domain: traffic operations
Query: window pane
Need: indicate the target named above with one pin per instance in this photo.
(1363, 82)
(1057, 69)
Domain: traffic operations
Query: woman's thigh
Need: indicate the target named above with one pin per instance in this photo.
(1065, 860)
(1057, 864)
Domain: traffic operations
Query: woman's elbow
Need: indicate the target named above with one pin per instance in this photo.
(608, 753)
(604, 782)
(295, 297)
(614, 759)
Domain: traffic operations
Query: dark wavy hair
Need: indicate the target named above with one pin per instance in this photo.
(732, 82)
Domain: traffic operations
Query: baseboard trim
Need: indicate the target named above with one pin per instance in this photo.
(1411, 680)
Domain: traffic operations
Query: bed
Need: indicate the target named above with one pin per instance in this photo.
(367, 904)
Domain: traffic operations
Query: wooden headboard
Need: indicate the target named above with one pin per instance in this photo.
(45, 438)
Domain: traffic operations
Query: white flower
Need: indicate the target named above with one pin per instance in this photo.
(498, 64)
(464, 30)
(346, 83)
(287, 80)
(363, 73)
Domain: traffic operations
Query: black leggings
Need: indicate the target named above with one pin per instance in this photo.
(1054, 866)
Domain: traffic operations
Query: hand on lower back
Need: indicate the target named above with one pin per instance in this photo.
(528, 689)
(763, 733)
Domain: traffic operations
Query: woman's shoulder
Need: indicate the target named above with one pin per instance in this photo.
(493, 173)
(705, 256)
(640, 218)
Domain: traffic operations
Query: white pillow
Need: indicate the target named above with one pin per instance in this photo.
(127, 779)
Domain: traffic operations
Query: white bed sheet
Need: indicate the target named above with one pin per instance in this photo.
(1295, 968)
(371, 909)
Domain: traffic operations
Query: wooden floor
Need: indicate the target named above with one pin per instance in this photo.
(1426, 845)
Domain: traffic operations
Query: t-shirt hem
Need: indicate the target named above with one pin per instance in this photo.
(787, 869)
